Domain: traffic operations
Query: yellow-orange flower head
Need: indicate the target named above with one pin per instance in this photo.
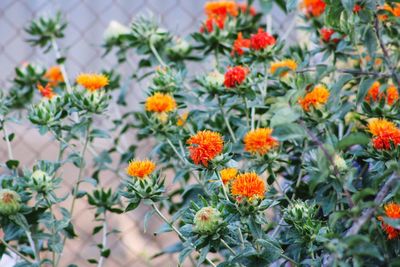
(92, 81)
(54, 75)
(182, 119)
(259, 141)
(392, 211)
(317, 97)
(287, 63)
(248, 186)
(160, 103)
(392, 95)
(140, 169)
(385, 133)
(205, 146)
(221, 9)
(228, 174)
(380, 126)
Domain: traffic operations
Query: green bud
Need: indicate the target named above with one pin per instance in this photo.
(41, 180)
(114, 30)
(93, 102)
(207, 220)
(10, 202)
(340, 163)
(180, 49)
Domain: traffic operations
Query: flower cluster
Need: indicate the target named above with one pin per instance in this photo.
(204, 146)
(259, 141)
(313, 8)
(316, 98)
(392, 211)
(385, 134)
(391, 95)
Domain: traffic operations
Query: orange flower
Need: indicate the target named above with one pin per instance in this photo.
(313, 8)
(317, 97)
(239, 44)
(287, 63)
(392, 211)
(160, 103)
(140, 169)
(392, 95)
(326, 35)
(228, 174)
(235, 76)
(259, 141)
(182, 119)
(92, 81)
(47, 91)
(379, 126)
(248, 185)
(54, 75)
(210, 22)
(261, 40)
(385, 133)
(394, 9)
(221, 9)
(205, 146)
(373, 93)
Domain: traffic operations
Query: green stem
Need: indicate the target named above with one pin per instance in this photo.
(228, 247)
(9, 149)
(156, 54)
(176, 230)
(228, 125)
(33, 246)
(223, 186)
(104, 242)
(176, 151)
(53, 230)
(9, 247)
(246, 111)
(62, 65)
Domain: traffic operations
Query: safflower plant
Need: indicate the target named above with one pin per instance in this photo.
(279, 154)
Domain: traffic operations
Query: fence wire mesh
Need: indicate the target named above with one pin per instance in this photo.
(81, 46)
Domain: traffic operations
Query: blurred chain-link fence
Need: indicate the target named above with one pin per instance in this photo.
(87, 20)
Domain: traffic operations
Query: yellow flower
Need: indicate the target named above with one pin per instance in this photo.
(228, 174)
(160, 103)
(380, 126)
(287, 63)
(140, 169)
(205, 146)
(92, 81)
(182, 119)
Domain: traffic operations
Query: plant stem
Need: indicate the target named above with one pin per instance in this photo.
(104, 242)
(76, 187)
(246, 109)
(156, 54)
(175, 229)
(223, 185)
(349, 71)
(176, 151)
(386, 55)
(62, 65)
(228, 125)
(9, 149)
(228, 247)
(9, 247)
(33, 246)
(53, 230)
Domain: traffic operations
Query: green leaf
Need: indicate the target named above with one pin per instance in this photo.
(12, 164)
(353, 139)
(348, 5)
(364, 87)
(288, 131)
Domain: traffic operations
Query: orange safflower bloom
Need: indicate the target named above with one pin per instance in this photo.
(235, 76)
(208, 25)
(182, 119)
(357, 8)
(326, 36)
(205, 146)
(248, 185)
(140, 169)
(287, 63)
(47, 91)
(92, 81)
(228, 174)
(392, 95)
(239, 44)
(261, 40)
(313, 8)
(373, 93)
(259, 141)
(394, 9)
(392, 211)
(160, 102)
(54, 75)
(221, 9)
(385, 133)
(317, 97)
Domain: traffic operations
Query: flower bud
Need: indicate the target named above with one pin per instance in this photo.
(114, 30)
(47, 112)
(181, 48)
(340, 163)
(93, 102)
(10, 202)
(215, 79)
(207, 220)
(41, 180)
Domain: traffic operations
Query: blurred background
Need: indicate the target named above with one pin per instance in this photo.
(87, 20)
